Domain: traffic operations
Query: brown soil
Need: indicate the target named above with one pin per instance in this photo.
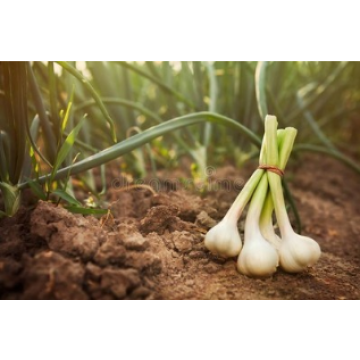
(152, 245)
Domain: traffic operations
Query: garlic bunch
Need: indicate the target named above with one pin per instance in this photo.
(263, 249)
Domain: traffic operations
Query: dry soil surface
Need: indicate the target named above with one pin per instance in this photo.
(152, 245)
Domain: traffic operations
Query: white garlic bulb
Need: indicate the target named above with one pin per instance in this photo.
(224, 239)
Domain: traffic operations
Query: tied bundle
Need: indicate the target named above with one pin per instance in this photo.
(263, 250)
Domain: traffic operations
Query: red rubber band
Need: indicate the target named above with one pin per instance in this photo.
(273, 169)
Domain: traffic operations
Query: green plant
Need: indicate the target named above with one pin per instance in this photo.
(119, 99)
(13, 133)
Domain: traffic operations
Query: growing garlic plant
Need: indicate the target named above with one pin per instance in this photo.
(263, 250)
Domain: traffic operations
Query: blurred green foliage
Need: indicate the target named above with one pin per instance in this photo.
(54, 116)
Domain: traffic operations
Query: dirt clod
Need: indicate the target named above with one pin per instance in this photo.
(136, 242)
(66, 233)
(158, 219)
(51, 276)
(183, 241)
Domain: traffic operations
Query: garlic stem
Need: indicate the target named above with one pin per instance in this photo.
(244, 196)
(266, 222)
(285, 146)
(257, 201)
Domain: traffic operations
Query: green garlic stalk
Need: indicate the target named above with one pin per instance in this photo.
(296, 252)
(266, 223)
